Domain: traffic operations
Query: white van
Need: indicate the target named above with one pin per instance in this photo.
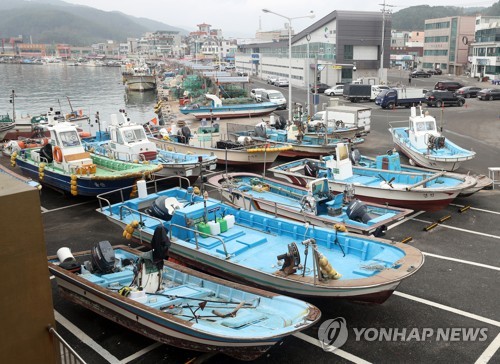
(274, 96)
(376, 90)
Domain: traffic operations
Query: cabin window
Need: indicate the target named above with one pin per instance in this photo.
(69, 139)
(420, 126)
(429, 125)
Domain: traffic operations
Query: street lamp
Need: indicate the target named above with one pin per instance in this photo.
(311, 15)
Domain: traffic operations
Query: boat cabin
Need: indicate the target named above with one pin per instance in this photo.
(128, 141)
(421, 127)
(340, 164)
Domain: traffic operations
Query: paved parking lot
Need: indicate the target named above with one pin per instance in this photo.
(456, 288)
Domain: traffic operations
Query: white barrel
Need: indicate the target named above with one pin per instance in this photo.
(64, 255)
(214, 227)
(142, 189)
(230, 221)
(271, 119)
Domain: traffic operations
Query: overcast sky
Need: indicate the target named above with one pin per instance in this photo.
(240, 18)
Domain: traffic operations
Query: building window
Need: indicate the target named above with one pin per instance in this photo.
(441, 25)
(348, 52)
(436, 52)
(440, 39)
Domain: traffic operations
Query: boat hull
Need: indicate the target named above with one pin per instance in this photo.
(165, 327)
(230, 157)
(415, 199)
(140, 83)
(435, 163)
(225, 112)
(86, 185)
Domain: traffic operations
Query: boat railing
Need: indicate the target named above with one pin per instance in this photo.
(104, 198)
(142, 217)
(250, 197)
(197, 233)
(65, 354)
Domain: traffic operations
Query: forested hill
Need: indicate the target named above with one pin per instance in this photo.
(413, 18)
(60, 22)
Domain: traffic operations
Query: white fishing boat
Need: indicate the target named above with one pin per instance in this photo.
(426, 146)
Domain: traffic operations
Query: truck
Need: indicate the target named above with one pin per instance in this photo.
(356, 93)
(400, 97)
(350, 116)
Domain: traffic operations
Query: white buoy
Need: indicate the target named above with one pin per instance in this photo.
(64, 255)
(142, 189)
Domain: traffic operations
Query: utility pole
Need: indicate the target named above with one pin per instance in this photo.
(384, 11)
(13, 102)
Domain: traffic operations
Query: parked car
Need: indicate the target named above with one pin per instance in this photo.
(256, 94)
(320, 88)
(468, 91)
(448, 85)
(489, 94)
(440, 98)
(271, 79)
(335, 91)
(281, 82)
(242, 73)
(416, 74)
(436, 71)
(274, 96)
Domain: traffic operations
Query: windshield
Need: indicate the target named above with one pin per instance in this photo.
(133, 135)
(69, 138)
(275, 95)
(383, 93)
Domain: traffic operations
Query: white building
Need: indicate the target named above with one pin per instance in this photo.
(339, 48)
(486, 48)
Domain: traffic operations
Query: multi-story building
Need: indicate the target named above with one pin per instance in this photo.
(446, 43)
(486, 48)
(339, 48)
(407, 49)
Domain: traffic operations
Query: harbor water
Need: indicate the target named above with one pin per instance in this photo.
(91, 89)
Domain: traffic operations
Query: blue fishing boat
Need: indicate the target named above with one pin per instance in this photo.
(483, 181)
(383, 183)
(219, 109)
(127, 141)
(425, 145)
(176, 305)
(269, 252)
(314, 204)
(64, 164)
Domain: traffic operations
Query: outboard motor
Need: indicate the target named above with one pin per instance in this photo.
(184, 135)
(355, 156)
(356, 210)
(260, 130)
(160, 244)
(311, 169)
(102, 257)
(164, 207)
(46, 153)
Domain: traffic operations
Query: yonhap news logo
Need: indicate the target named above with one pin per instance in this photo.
(333, 333)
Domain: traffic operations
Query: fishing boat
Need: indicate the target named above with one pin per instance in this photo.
(176, 305)
(383, 183)
(138, 78)
(314, 204)
(304, 144)
(269, 252)
(228, 109)
(483, 182)
(127, 141)
(426, 146)
(64, 164)
(247, 153)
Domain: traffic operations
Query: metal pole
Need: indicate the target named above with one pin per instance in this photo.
(289, 69)
(308, 37)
